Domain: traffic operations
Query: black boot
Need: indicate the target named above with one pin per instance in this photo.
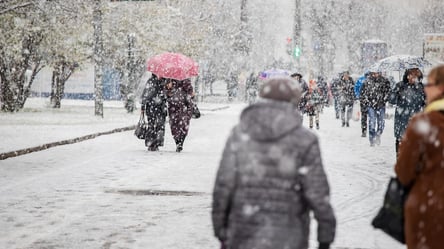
(364, 133)
(179, 144)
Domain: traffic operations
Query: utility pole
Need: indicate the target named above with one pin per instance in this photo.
(98, 58)
(297, 36)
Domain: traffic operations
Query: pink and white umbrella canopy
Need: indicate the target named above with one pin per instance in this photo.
(173, 65)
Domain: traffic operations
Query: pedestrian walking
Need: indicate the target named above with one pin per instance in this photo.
(374, 95)
(271, 177)
(252, 88)
(419, 166)
(304, 88)
(314, 101)
(409, 98)
(180, 97)
(364, 110)
(154, 107)
(300, 80)
(347, 97)
(336, 93)
(323, 88)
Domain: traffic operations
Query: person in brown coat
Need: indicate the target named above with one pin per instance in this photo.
(420, 164)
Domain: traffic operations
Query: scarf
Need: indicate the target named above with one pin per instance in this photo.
(437, 105)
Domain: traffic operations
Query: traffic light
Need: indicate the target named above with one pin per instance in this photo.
(297, 52)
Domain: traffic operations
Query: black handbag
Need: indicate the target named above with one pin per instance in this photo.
(196, 111)
(390, 218)
(141, 128)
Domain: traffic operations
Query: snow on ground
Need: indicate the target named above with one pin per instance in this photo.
(74, 196)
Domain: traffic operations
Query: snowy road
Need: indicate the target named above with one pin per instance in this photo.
(90, 194)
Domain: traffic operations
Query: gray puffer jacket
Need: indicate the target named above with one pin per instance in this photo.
(269, 179)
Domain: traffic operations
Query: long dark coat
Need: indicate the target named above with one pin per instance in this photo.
(269, 180)
(375, 92)
(409, 99)
(421, 163)
(154, 105)
(346, 92)
(180, 108)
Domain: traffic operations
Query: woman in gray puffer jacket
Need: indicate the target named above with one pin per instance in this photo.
(271, 176)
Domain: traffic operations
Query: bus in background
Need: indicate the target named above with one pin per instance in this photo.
(371, 52)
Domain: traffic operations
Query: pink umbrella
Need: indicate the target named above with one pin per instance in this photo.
(172, 65)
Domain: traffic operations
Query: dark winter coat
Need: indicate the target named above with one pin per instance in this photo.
(335, 88)
(409, 99)
(313, 99)
(180, 108)
(269, 179)
(155, 108)
(347, 91)
(375, 92)
(420, 162)
(323, 87)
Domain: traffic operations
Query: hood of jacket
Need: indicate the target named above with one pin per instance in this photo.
(269, 120)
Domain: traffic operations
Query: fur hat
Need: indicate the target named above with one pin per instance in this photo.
(282, 89)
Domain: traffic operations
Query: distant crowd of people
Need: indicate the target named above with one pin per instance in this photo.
(271, 174)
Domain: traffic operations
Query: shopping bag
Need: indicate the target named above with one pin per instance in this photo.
(356, 111)
(196, 111)
(390, 218)
(141, 128)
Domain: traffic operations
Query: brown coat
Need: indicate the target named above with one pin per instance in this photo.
(424, 208)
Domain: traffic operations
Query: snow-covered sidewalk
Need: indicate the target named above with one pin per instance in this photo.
(91, 194)
(38, 124)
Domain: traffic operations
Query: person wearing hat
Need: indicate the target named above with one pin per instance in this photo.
(271, 177)
(419, 166)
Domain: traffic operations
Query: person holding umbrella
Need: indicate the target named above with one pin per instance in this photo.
(176, 69)
(180, 97)
(409, 98)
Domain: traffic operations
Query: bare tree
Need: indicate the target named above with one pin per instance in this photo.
(98, 58)
(20, 57)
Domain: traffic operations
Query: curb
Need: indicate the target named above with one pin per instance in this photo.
(16, 153)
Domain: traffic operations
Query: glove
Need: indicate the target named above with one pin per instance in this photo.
(222, 245)
(324, 245)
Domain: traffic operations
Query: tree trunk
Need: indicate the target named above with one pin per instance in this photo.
(244, 38)
(55, 95)
(61, 73)
(131, 79)
(15, 88)
(98, 58)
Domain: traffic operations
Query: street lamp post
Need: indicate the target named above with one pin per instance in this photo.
(297, 36)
